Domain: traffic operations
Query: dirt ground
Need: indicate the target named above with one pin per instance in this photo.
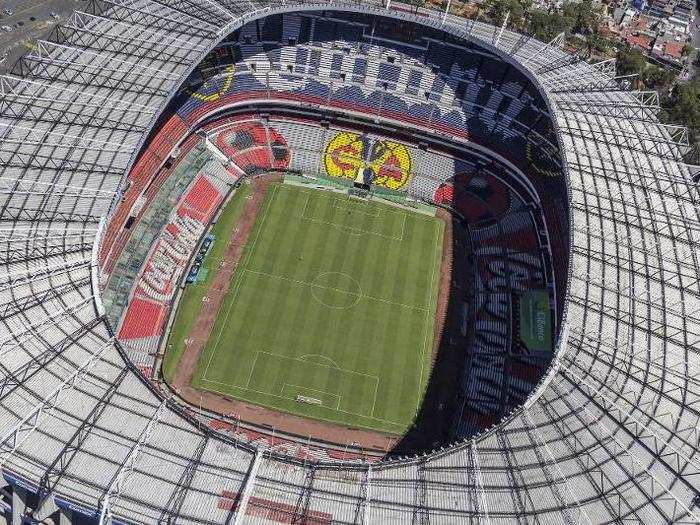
(445, 279)
(247, 412)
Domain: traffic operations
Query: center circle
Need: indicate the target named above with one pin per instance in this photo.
(336, 290)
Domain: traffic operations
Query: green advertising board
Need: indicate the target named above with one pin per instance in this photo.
(536, 321)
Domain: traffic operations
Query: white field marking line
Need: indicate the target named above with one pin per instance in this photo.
(376, 394)
(394, 209)
(304, 356)
(373, 377)
(306, 204)
(262, 225)
(344, 370)
(238, 284)
(313, 284)
(252, 369)
(353, 229)
(370, 297)
(403, 226)
(361, 207)
(323, 274)
(356, 295)
(349, 230)
(278, 356)
(308, 388)
(340, 369)
(390, 421)
(426, 341)
(324, 392)
(339, 204)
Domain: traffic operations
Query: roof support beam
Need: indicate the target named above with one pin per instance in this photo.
(14, 379)
(248, 488)
(575, 440)
(481, 510)
(367, 500)
(9, 87)
(14, 186)
(128, 464)
(143, 15)
(641, 471)
(81, 21)
(21, 248)
(173, 507)
(548, 465)
(59, 466)
(12, 438)
(26, 275)
(36, 298)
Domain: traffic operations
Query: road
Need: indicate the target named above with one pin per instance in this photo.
(30, 20)
(693, 68)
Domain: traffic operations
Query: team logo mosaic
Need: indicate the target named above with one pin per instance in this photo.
(540, 158)
(368, 159)
(216, 87)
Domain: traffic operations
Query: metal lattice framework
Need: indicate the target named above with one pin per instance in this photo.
(611, 434)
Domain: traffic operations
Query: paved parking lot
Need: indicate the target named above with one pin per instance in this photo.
(29, 20)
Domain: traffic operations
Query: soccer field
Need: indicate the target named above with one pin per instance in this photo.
(331, 311)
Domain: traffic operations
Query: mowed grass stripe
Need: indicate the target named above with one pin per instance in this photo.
(313, 249)
(402, 367)
(272, 254)
(363, 353)
(287, 299)
(362, 261)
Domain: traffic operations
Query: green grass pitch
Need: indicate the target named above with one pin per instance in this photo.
(331, 311)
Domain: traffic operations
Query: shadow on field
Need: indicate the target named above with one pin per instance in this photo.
(433, 424)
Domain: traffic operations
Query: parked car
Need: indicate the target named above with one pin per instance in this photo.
(192, 275)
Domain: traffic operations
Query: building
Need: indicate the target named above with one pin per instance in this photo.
(668, 50)
(661, 8)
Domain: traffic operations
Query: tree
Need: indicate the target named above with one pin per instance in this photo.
(545, 26)
(683, 108)
(657, 78)
(629, 61)
(581, 17)
(687, 50)
(595, 41)
(497, 10)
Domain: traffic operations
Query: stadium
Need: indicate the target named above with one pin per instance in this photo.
(340, 263)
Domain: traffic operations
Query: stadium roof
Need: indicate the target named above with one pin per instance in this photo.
(612, 432)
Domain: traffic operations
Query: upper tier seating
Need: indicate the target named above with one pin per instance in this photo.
(462, 92)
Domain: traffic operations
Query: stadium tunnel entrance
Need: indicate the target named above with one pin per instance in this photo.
(509, 223)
